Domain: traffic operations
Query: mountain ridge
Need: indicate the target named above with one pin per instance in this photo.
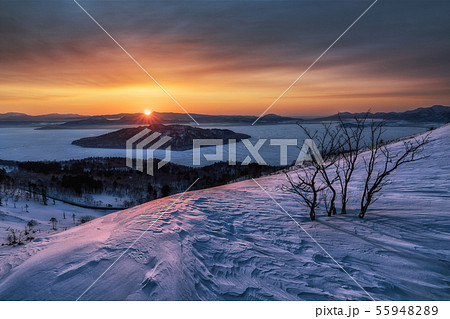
(435, 113)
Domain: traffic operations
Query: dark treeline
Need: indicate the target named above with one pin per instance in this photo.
(78, 178)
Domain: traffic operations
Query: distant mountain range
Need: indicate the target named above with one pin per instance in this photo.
(168, 118)
(22, 117)
(66, 121)
(436, 113)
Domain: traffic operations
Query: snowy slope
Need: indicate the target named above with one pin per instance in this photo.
(18, 217)
(233, 243)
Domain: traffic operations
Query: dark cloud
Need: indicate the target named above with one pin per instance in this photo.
(396, 39)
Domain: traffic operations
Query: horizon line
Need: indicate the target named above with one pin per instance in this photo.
(204, 114)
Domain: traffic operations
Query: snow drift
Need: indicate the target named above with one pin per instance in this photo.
(233, 243)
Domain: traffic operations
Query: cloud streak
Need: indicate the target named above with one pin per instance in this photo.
(225, 56)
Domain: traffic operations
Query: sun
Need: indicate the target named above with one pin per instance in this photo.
(147, 112)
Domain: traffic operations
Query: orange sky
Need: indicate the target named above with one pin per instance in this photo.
(75, 68)
(102, 89)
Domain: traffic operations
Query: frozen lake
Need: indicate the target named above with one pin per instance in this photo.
(28, 144)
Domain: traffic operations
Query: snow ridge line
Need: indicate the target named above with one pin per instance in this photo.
(136, 240)
(315, 241)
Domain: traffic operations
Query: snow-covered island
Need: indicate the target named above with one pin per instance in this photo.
(181, 136)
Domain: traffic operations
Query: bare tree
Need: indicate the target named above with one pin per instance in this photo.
(307, 187)
(31, 224)
(383, 160)
(328, 199)
(328, 143)
(53, 221)
(14, 237)
(44, 195)
(350, 141)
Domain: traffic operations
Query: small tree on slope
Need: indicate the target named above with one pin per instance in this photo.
(53, 221)
(350, 141)
(328, 143)
(382, 162)
(307, 187)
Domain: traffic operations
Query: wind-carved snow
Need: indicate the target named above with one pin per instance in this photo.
(233, 243)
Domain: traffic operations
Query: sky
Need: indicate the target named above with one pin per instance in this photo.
(223, 57)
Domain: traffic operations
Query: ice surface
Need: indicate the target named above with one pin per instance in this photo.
(27, 144)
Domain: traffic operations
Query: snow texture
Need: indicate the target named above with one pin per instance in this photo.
(233, 243)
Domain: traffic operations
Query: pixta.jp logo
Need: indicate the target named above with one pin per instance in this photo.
(146, 142)
(142, 143)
